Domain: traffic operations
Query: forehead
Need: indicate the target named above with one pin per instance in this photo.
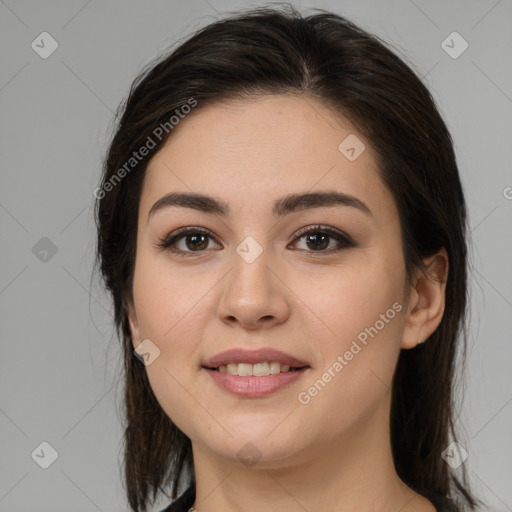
(269, 145)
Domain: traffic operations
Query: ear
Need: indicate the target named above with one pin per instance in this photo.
(426, 304)
(134, 326)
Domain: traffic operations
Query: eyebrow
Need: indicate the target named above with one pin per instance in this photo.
(283, 206)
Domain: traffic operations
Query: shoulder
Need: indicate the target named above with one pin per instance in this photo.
(184, 502)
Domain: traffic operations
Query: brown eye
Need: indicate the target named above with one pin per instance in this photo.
(319, 239)
(187, 241)
(196, 242)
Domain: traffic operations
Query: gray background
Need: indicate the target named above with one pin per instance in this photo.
(60, 362)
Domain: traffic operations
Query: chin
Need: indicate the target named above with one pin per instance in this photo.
(254, 448)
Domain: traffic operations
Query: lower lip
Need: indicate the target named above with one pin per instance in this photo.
(255, 387)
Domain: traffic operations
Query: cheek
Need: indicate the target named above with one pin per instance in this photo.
(363, 311)
(166, 302)
(352, 300)
(357, 361)
(170, 312)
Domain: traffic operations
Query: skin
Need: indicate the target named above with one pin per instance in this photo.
(333, 453)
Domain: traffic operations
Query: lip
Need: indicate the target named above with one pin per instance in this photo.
(255, 387)
(239, 355)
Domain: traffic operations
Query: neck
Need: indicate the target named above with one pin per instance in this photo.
(354, 474)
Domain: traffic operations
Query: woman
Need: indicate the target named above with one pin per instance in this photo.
(282, 227)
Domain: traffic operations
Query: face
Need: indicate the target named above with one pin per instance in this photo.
(320, 281)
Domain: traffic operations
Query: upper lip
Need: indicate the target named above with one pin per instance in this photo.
(240, 355)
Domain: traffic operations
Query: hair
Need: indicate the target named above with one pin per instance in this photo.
(323, 56)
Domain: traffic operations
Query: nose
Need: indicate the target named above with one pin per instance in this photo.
(253, 295)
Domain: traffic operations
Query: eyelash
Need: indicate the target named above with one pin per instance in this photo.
(167, 242)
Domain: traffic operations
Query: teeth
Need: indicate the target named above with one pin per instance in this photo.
(258, 370)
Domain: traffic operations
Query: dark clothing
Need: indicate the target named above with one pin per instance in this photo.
(186, 500)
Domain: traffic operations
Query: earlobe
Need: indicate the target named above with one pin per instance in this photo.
(427, 301)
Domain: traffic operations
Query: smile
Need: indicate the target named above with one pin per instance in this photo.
(257, 370)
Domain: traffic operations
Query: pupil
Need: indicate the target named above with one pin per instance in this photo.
(320, 241)
(194, 238)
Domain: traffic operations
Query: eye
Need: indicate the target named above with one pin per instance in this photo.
(192, 240)
(319, 238)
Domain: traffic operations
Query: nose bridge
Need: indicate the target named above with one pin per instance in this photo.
(251, 293)
(250, 283)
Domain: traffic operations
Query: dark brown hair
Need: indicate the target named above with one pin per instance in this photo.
(277, 51)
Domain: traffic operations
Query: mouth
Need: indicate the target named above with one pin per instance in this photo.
(254, 373)
(255, 380)
(261, 369)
